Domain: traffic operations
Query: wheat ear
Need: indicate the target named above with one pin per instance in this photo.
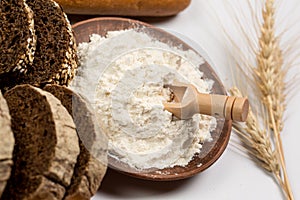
(258, 143)
(256, 139)
(270, 79)
(269, 76)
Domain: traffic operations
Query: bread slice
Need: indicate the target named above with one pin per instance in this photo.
(6, 144)
(46, 145)
(17, 41)
(55, 59)
(89, 170)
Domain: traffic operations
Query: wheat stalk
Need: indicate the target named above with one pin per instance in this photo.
(270, 79)
(269, 76)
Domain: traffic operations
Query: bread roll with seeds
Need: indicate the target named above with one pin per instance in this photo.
(17, 41)
(89, 171)
(55, 58)
(6, 144)
(46, 145)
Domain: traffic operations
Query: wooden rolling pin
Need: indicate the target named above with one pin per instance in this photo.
(124, 7)
(188, 101)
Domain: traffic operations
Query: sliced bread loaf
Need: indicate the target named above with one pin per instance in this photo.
(17, 41)
(89, 170)
(46, 145)
(6, 144)
(55, 58)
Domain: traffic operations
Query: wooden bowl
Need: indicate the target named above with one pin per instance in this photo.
(210, 151)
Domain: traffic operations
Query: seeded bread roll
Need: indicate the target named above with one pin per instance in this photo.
(89, 171)
(55, 59)
(46, 145)
(125, 7)
(6, 144)
(17, 41)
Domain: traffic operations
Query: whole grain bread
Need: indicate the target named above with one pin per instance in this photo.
(6, 144)
(55, 58)
(17, 41)
(46, 145)
(91, 166)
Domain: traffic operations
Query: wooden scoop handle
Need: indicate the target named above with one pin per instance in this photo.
(231, 108)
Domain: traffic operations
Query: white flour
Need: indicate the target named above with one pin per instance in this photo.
(123, 75)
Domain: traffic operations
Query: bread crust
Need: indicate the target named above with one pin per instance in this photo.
(6, 144)
(124, 7)
(89, 171)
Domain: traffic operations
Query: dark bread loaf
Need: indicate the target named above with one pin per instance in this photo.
(55, 59)
(17, 40)
(89, 171)
(46, 145)
(6, 144)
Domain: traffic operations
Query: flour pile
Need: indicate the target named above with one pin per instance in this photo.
(123, 75)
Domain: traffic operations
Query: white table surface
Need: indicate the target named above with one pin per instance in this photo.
(233, 176)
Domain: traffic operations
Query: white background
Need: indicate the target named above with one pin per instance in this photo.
(233, 176)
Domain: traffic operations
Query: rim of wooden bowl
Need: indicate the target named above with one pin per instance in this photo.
(221, 135)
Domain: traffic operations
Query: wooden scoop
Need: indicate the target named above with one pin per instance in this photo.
(188, 101)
